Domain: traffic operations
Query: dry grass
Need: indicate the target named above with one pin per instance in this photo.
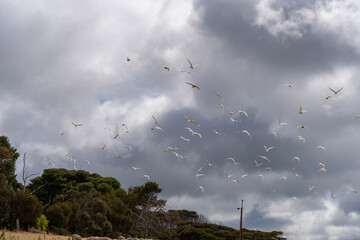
(33, 236)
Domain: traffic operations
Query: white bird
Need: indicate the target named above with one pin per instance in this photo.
(322, 169)
(284, 178)
(258, 164)
(234, 121)
(353, 190)
(296, 158)
(170, 149)
(192, 121)
(147, 177)
(243, 112)
(262, 176)
(282, 123)
(185, 139)
(193, 132)
(51, 164)
(275, 134)
(264, 158)
(222, 106)
(267, 149)
(321, 147)
(199, 169)
(302, 126)
(242, 174)
(311, 187)
(295, 174)
(135, 168)
(210, 164)
(129, 147)
(268, 168)
(227, 175)
(179, 157)
(245, 131)
(219, 133)
(322, 165)
(157, 127)
(294, 198)
(201, 188)
(236, 181)
(199, 175)
(301, 111)
(300, 138)
(233, 160)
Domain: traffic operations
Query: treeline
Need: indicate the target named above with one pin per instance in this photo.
(68, 201)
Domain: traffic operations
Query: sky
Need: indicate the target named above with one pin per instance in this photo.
(65, 62)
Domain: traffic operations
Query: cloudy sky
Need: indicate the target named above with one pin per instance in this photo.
(65, 62)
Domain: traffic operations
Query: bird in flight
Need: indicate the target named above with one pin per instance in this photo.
(191, 65)
(336, 92)
(258, 164)
(218, 95)
(300, 138)
(185, 139)
(296, 158)
(268, 168)
(264, 158)
(243, 112)
(333, 195)
(302, 126)
(129, 147)
(147, 177)
(193, 132)
(267, 149)
(193, 86)
(294, 198)
(295, 174)
(275, 134)
(234, 121)
(126, 128)
(210, 164)
(219, 133)
(282, 123)
(245, 131)
(236, 181)
(116, 135)
(167, 68)
(301, 111)
(233, 160)
(353, 190)
(77, 124)
(201, 188)
(321, 148)
(227, 175)
(179, 157)
(192, 121)
(157, 127)
(262, 176)
(327, 97)
(102, 148)
(128, 59)
(311, 187)
(135, 168)
(242, 174)
(284, 178)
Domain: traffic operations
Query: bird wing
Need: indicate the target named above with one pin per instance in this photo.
(332, 90)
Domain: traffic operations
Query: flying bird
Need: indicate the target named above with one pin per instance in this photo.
(191, 65)
(322, 169)
(262, 176)
(302, 126)
(236, 181)
(77, 124)
(192, 121)
(295, 174)
(128, 59)
(193, 86)
(210, 164)
(201, 188)
(242, 174)
(179, 157)
(245, 131)
(301, 111)
(233, 160)
(185, 139)
(193, 132)
(296, 158)
(157, 127)
(322, 165)
(321, 147)
(268, 168)
(116, 135)
(264, 158)
(167, 68)
(353, 190)
(283, 178)
(282, 123)
(258, 164)
(275, 134)
(227, 175)
(243, 112)
(336, 92)
(234, 121)
(333, 195)
(219, 133)
(218, 95)
(125, 126)
(300, 138)
(147, 177)
(102, 148)
(199, 175)
(294, 198)
(129, 147)
(267, 149)
(135, 168)
(311, 187)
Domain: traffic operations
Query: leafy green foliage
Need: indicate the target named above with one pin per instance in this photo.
(42, 222)
(8, 157)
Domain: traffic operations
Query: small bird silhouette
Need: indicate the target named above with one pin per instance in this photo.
(193, 86)
(336, 92)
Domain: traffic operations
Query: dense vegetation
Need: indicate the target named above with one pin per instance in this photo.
(69, 201)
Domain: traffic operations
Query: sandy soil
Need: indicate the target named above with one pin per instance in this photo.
(33, 236)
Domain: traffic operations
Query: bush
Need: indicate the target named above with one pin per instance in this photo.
(42, 223)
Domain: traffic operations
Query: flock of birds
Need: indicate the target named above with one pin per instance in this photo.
(193, 128)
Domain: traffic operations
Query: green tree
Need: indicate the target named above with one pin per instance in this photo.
(42, 222)
(8, 157)
(59, 214)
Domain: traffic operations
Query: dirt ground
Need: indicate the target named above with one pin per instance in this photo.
(33, 236)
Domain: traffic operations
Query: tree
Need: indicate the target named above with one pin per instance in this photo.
(8, 157)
